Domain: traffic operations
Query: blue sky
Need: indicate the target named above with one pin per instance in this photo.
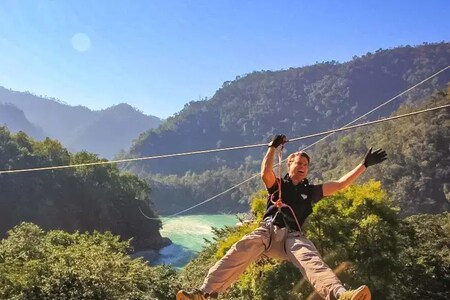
(159, 55)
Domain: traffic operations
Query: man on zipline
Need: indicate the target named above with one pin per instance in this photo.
(290, 202)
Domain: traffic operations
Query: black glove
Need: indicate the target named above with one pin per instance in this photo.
(373, 158)
(278, 140)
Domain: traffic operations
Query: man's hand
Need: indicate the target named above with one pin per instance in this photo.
(278, 140)
(373, 158)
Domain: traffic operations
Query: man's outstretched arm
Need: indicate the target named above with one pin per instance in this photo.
(371, 158)
(267, 174)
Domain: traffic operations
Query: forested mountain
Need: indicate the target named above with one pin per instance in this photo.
(416, 175)
(296, 102)
(84, 198)
(15, 119)
(80, 128)
(123, 120)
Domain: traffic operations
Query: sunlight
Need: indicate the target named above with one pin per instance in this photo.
(81, 42)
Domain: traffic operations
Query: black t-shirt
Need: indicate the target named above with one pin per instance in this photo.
(300, 197)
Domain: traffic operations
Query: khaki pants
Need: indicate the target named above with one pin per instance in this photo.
(276, 243)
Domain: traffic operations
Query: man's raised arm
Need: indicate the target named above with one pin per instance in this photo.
(267, 174)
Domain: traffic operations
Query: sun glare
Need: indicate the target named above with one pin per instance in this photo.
(81, 42)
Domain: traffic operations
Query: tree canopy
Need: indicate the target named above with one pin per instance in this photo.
(84, 198)
(359, 232)
(35, 264)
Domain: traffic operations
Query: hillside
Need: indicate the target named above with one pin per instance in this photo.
(296, 102)
(123, 120)
(79, 199)
(253, 108)
(79, 127)
(417, 174)
(16, 121)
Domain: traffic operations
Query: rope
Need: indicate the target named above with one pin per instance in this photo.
(279, 202)
(344, 128)
(128, 159)
(207, 200)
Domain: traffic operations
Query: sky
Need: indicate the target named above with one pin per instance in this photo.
(159, 55)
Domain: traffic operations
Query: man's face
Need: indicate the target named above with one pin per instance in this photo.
(298, 168)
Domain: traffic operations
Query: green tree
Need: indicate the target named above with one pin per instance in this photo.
(359, 227)
(424, 258)
(84, 198)
(58, 265)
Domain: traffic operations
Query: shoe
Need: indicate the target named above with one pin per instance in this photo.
(193, 295)
(361, 293)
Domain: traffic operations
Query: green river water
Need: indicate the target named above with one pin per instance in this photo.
(187, 234)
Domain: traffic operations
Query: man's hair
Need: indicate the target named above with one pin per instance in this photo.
(292, 156)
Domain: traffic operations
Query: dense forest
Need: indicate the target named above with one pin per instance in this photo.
(77, 127)
(417, 174)
(78, 199)
(40, 265)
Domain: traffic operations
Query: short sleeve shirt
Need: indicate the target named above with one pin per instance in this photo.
(300, 198)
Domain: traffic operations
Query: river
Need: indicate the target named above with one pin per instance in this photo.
(187, 234)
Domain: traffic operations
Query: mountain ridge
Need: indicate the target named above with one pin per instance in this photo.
(76, 126)
(16, 120)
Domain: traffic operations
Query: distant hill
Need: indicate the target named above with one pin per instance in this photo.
(77, 199)
(113, 129)
(16, 121)
(296, 102)
(79, 127)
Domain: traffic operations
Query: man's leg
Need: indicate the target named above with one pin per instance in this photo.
(304, 255)
(234, 263)
(236, 260)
